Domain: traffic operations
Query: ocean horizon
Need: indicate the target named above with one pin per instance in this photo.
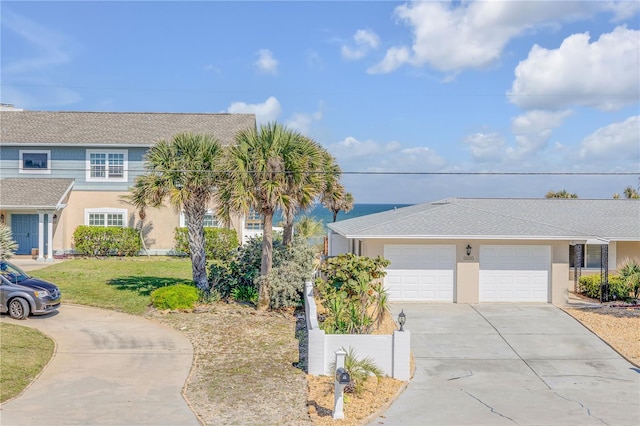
(320, 213)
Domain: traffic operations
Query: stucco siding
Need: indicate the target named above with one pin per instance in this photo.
(627, 249)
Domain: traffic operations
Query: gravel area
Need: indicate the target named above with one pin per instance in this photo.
(616, 324)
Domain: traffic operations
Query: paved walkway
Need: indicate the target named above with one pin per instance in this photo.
(511, 364)
(109, 368)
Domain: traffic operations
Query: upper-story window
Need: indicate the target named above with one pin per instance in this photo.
(106, 165)
(105, 217)
(253, 220)
(35, 161)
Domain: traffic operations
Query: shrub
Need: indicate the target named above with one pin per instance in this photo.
(111, 241)
(287, 279)
(590, 286)
(219, 243)
(179, 296)
(245, 293)
(352, 294)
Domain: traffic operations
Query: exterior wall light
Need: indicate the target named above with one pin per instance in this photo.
(402, 319)
(2, 218)
(468, 249)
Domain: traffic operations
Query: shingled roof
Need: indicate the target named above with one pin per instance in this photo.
(502, 219)
(34, 193)
(114, 128)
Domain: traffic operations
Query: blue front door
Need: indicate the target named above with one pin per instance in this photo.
(25, 232)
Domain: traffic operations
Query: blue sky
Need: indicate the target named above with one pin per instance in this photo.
(436, 87)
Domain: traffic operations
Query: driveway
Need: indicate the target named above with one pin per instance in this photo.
(108, 368)
(511, 364)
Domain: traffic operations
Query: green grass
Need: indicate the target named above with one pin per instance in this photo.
(25, 352)
(121, 284)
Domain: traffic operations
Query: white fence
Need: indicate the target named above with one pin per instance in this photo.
(391, 353)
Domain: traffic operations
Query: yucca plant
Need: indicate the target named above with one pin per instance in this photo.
(359, 369)
(7, 246)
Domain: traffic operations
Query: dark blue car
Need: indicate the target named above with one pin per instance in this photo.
(22, 294)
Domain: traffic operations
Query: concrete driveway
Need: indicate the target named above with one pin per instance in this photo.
(109, 368)
(511, 364)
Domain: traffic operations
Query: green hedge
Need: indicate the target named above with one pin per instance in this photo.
(219, 242)
(590, 286)
(111, 241)
(179, 296)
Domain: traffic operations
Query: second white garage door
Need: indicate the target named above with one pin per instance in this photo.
(514, 273)
(420, 272)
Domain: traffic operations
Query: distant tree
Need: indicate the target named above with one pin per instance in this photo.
(182, 172)
(335, 197)
(308, 227)
(616, 196)
(560, 194)
(631, 193)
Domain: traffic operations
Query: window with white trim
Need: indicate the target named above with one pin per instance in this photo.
(105, 217)
(210, 220)
(35, 161)
(106, 165)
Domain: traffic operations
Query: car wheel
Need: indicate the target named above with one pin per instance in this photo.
(18, 308)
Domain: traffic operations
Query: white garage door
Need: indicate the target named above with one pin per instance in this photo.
(420, 272)
(514, 273)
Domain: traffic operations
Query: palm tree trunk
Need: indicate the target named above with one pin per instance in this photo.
(287, 233)
(264, 296)
(195, 217)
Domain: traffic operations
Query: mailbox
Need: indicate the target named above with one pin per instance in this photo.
(342, 376)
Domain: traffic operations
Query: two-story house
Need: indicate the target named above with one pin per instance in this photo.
(59, 170)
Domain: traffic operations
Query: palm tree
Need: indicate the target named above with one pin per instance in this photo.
(334, 196)
(560, 194)
(260, 169)
(182, 172)
(631, 193)
(305, 186)
(308, 227)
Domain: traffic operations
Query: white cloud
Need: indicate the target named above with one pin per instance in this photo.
(617, 141)
(352, 153)
(266, 63)
(486, 147)
(265, 112)
(302, 121)
(533, 131)
(450, 37)
(365, 41)
(604, 74)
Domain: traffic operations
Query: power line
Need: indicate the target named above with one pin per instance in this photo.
(360, 172)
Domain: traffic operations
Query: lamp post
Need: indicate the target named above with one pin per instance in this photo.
(402, 319)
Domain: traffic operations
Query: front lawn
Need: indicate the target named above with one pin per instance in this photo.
(121, 284)
(24, 353)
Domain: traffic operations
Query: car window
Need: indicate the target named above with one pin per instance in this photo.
(11, 273)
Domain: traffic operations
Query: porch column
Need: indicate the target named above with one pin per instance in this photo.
(50, 237)
(40, 236)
